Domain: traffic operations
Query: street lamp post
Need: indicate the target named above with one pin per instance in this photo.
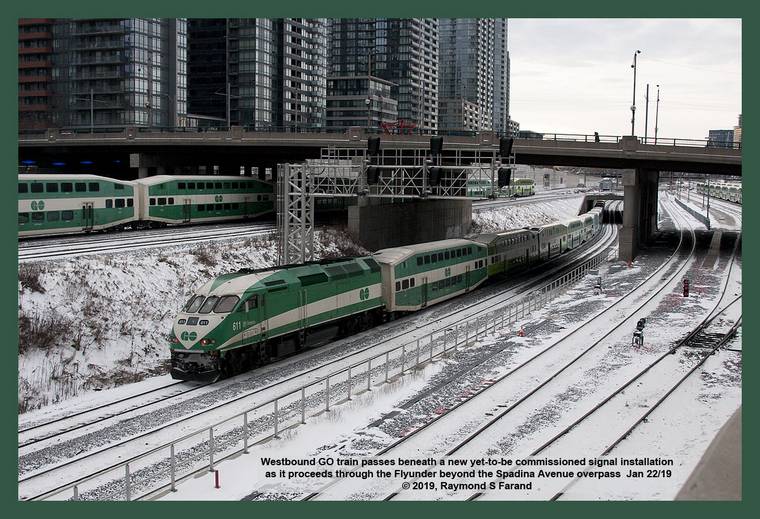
(656, 114)
(646, 115)
(92, 102)
(633, 104)
(227, 107)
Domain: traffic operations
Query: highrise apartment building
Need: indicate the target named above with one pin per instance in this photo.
(474, 75)
(35, 65)
(119, 72)
(208, 68)
(233, 64)
(401, 52)
(275, 70)
(720, 138)
(738, 130)
(501, 66)
(301, 99)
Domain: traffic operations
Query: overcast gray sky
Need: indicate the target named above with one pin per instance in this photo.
(575, 75)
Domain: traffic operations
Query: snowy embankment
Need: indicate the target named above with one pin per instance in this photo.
(517, 216)
(94, 322)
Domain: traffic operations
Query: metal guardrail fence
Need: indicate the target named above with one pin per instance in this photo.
(200, 450)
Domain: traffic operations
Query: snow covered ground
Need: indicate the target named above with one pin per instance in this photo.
(515, 217)
(723, 215)
(94, 322)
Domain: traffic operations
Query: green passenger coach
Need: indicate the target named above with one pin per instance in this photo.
(60, 204)
(245, 319)
(171, 200)
(415, 276)
(510, 251)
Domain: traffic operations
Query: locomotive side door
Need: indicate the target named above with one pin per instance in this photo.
(254, 325)
(88, 216)
(302, 315)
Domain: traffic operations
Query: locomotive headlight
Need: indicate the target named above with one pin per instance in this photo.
(173, 339)
(206, 342)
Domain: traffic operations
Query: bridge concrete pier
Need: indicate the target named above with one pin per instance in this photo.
(640, 214)
(148, 164)
(377, 224)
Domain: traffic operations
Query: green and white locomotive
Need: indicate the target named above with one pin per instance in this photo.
(241, 320)
(249, 318)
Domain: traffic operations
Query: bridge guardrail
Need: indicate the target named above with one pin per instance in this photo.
(564, 137)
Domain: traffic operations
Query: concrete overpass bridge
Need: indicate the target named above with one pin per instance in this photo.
(132, 152)
(167, 151)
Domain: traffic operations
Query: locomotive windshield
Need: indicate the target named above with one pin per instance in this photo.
(195, 302)
(208, 305)
(226, 304)
(219, 305)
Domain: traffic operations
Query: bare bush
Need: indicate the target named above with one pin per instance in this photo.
(337, 243)
(204, 256)
(42, 330)
(29, 276)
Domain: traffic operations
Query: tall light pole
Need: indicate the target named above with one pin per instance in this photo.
(91, 99)
(633, 104)
(656, 114)
(227, 106)
(646, 115)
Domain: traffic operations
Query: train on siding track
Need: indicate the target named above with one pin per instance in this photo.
(521, 187)
(64, 204)
(251, 317)
(731, 192)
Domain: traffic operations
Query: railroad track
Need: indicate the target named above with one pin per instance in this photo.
(486, 205)
(696, 338)
(631, 294)
(724, 339)
(107, 245)
(74, 417)
(483, 305)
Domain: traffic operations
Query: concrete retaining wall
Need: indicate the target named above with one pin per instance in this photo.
(696, 214)
(377, 225)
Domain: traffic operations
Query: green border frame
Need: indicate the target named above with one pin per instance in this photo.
(344, 8)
